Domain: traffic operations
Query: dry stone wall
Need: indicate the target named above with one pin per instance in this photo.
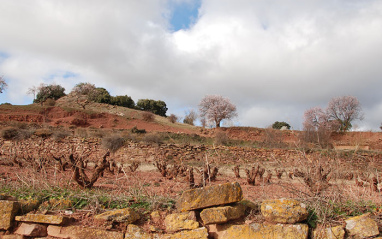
(198, 218)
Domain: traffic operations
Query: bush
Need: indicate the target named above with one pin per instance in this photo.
(172, 118)
(100, 95)
(157, 107)
(123, 100)
(49, 102)
(147, 116)
(113, 142)
(60, 134)
(221, 138)
(43, 133)
(279, 125)
(9, 133)
(153, 138)
(49, 92)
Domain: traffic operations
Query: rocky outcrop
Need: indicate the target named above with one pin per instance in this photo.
(361, 227)
(126, 215)
(8, 210)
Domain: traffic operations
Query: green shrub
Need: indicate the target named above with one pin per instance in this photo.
(279, 125)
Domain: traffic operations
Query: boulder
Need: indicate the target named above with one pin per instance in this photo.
(8, 210)
(215, 195)
(361, 226)
(181, 221)
(218, 215)
(127, 215)
(284, 211)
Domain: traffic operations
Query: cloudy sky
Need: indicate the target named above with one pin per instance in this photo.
(274, 59)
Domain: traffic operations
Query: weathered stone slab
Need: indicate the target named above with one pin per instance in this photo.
(8, 210)
(361, 226)
(135, 232)
(257, 230)
(77, 232)
(215, 195)
(12, 236)
(32, 230)
(329, 233)
(127, 215)
(284, 211)
(218, 215)
(41, 218)
(200, 233)
(181, 221)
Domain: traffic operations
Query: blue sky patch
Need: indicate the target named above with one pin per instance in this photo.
(183, 14)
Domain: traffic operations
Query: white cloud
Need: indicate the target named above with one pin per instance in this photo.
(267, 56)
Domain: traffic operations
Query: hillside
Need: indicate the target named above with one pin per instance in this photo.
(66, 113)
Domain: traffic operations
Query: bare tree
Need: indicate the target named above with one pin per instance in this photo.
(32, 91)
(344, 110)
(190, 117)
(318, 126)
(3, 84)
(216, 108)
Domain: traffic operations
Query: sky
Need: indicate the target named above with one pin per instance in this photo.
(273, 59)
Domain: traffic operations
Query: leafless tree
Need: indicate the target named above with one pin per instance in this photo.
(216, 108)
(344, 110)
(3, 84)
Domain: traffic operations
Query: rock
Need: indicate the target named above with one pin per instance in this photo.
(329, 233)
(77, 232)
(42, 218)
(284, 211)
(256, 230)
(32, 230)
(218, 215)
(127, 215)
(215, 195)
(200, 233)
(8, 210)
(56, 204)
(361, 226)
(181, 221)
(135, 232)
(12, 237)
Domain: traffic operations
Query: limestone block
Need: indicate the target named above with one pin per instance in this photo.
(42, 218)
(361, 226)
(257, 230)
(284, 211)
(218, 215)
(200, 233)
(77, 232)
(135, 232)
(181, 221)
(8, 210)
(127, 215)
(215, 195)
(32, 230)
(27, 205)
(329, 233)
